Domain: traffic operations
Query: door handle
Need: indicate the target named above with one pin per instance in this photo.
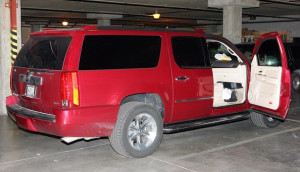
(182, 78)
(262, 75)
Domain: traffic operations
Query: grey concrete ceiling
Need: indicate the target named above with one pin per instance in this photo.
(174, 13)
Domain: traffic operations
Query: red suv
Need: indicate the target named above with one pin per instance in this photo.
(133, 85)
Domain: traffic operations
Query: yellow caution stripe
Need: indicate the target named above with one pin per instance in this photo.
(13, 45)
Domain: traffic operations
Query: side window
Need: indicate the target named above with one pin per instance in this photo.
(269, 54)
(119, 52)
(188, 52)
(219, 52)
(295, 49)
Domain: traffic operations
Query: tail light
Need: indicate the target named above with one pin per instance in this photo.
(69, 89)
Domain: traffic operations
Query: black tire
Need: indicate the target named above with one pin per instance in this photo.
(296, 82)
(263, 121)
(127, 123)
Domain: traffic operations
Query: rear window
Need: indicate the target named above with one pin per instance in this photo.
(43, 53)
(119, 52)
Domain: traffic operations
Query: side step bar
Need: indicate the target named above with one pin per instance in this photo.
(200, 123)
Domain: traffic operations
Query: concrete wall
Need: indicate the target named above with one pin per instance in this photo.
(294, 27)
(5, 59)
(25, 34)
(4, 55)
(272, 25)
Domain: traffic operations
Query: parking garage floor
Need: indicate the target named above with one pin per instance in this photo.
(238, 146)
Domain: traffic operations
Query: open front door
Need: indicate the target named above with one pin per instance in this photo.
(270, 85)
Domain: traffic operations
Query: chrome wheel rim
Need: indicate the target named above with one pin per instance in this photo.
(270, 119)
(142, 131)
(296, 83)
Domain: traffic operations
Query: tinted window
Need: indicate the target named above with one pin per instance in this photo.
(268, 53)
(43, 53)
(188, 52)
(119, 52)
(295, 49)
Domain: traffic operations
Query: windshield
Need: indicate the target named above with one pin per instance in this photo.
(43, 53)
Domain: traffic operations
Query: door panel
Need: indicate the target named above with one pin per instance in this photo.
(192, 79)
(265, 85)
(269, 89)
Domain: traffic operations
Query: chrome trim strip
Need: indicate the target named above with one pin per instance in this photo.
(190, 100)
(19, 110)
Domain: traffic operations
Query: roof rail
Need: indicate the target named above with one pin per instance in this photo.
(141, 28)
(48, 29)
(199, 31)
(89, 28)
(61, 29)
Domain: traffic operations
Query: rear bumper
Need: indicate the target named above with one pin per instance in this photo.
(17, 109)
(77, 122)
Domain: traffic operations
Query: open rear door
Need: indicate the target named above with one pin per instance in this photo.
(270, 84)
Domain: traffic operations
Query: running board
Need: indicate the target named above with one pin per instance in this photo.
(200, 123)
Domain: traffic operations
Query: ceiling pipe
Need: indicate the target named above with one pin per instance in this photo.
(118, 13)
(149, 5)
(282, 2)
(176, 7)
(218, 21)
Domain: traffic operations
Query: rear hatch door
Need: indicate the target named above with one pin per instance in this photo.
(37, 70)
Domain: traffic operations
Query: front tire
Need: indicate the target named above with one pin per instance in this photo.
(138, 131)
(263, 121)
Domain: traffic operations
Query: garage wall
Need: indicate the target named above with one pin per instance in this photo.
(294, 27)
(272, 25)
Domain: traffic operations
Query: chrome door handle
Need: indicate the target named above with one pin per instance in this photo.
(182, 78)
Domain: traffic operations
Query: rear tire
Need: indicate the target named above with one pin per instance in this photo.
(263, 121)
(296, 82)
(138, 131)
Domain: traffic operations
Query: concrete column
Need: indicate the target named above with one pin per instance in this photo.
(211, 29)
(232, 16)
(104, 19)
(5, 59)
(232, 23)
(4, 55)
(35, 28)
(103, 22)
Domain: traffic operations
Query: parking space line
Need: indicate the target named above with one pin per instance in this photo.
(293, 120)
(171, 163)
(57, 153)
(234, 144)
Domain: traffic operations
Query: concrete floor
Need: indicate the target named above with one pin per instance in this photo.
(232, 147)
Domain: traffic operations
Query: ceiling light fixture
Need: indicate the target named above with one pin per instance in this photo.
(156, 15)
(65, 23)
